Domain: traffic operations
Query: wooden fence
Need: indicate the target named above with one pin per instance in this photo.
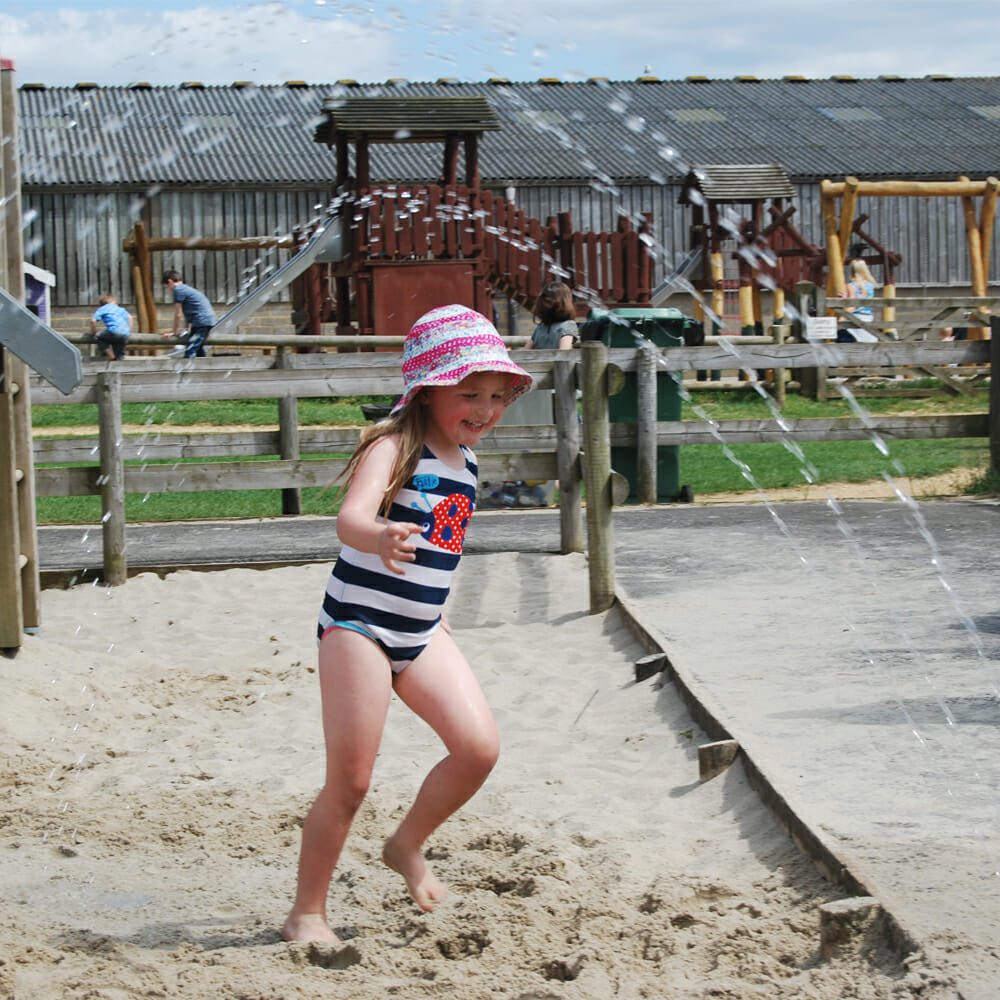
(912, 318)
(114, 464)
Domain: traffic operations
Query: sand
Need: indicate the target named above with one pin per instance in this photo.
(161, 743)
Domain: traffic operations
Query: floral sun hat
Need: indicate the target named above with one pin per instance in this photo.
(449, 343)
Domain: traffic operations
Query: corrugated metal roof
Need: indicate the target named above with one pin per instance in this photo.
(605, 130)
(738, 182)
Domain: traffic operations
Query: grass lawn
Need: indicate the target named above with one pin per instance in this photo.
(706, 468)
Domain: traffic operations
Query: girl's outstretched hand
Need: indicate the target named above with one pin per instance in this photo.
(394, 545)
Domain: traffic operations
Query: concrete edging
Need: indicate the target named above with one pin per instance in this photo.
(812, 843)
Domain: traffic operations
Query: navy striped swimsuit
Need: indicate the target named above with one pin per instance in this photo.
(401, 612)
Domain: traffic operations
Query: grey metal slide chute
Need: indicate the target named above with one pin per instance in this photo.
(38, 345)
(326, 246)
(677, 280)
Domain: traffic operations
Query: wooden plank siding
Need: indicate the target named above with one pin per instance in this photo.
(78, 234)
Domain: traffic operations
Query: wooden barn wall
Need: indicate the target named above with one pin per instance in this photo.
(78, 235)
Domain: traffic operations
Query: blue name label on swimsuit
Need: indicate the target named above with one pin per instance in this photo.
(425, 481)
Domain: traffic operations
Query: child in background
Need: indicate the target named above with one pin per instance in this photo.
(556, 328)
(556, 318)
(860, 286)
(411, 490)
(191, 310)
(117, 325)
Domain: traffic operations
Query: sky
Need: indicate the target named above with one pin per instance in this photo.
(320, 41)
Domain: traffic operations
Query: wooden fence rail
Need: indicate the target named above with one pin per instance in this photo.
(113, 464)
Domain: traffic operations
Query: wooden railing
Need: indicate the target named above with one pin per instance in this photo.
(910, 318)
(114, 463)
(520, 253)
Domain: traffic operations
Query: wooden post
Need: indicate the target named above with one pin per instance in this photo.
(973, 237)
(109, 416)
(568, 456)
(140, 300)
(847, 926)
(144, 290)
(835, 283)
(718, 291)
(847, 209)
(646, 370)
(888, 311)
(11, 599)
(15, 371)
(714, 758)
(11, 604)
(994, 395)
(31, 596)
(987, 216)
(780, 333)
(810, 301)
(747, 317)
(288, 437)
(597, 449)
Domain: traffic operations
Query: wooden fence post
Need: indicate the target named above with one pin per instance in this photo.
(994, 395)
(568, 456)
(810, 300)
(11, 606)
(597, 451)
(288, 437)
(109, 416)
(645, 429)
(780, 333)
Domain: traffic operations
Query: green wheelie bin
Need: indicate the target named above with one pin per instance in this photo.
(665, 328)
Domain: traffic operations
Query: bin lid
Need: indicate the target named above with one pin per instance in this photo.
(666, 312)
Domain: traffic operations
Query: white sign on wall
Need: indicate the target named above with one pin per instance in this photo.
(821, 328)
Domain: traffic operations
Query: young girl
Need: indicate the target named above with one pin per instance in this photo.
(411, 489)
(860, 286)
(556, 316)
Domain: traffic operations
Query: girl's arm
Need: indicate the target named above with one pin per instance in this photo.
(566, 342)
(358, 524)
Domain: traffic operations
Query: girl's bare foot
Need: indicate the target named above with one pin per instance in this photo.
(425, 889)
(308, 927)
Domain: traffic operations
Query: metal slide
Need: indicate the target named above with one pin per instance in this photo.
(38, 345)
(326, 246)
(677, 280)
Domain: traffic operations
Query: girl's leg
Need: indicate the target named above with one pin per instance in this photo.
(440, 687)
(356, 686)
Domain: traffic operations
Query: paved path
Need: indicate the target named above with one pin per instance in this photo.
(856, 658)
(853, 651)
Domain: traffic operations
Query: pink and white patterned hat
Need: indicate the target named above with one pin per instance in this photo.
(449, 343)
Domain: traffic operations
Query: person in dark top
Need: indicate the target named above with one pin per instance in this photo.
(556, 317)
(192, 311)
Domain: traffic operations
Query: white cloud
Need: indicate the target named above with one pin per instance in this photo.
(325, 40)
(264, 43)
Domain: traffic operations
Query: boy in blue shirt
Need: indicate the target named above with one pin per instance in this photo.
(117, 324)
(191, 310)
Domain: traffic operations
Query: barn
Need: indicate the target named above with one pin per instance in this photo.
(243, 161)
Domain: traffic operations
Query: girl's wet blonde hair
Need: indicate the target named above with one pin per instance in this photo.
(859, 269)
(410, 426)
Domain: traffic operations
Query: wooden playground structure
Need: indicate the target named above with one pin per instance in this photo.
(840, 228)
(409, 247)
